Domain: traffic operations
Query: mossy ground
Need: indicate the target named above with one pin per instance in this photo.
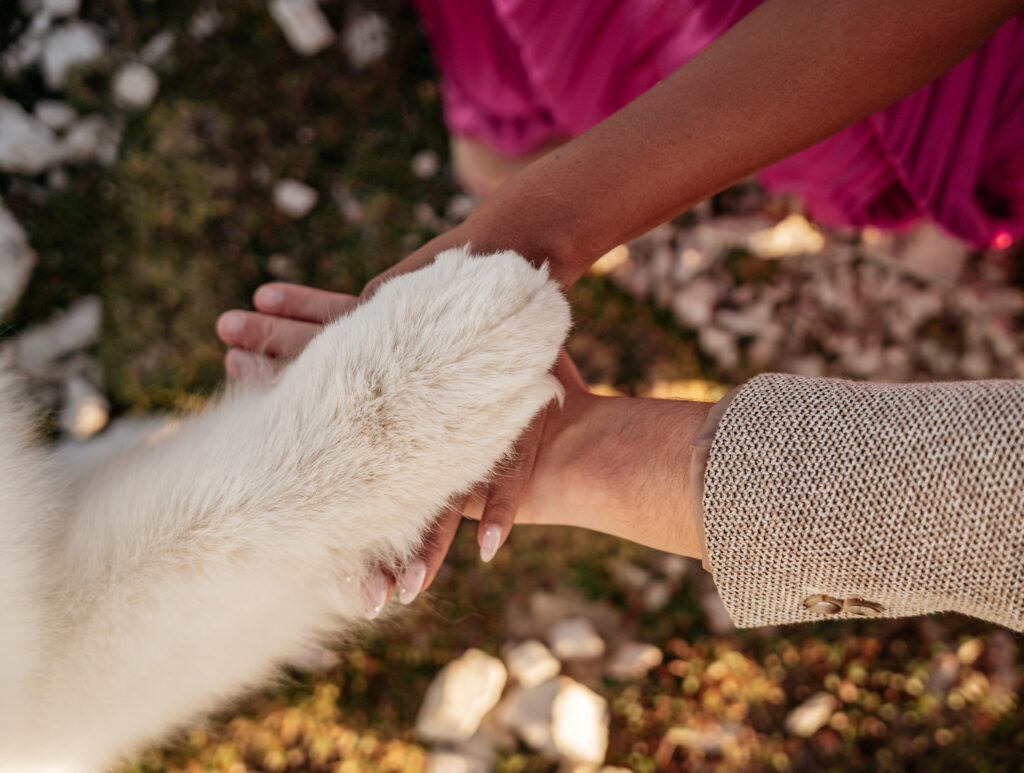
(182, 228)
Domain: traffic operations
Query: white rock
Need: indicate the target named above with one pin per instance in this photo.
(453, 762)
(719, 344)
(134, 86)
(58, 8)
(93, 138)
(16, 261)
(579, 722)
(157, 48)
(304, 25)
(86, 411)
(694, 303)
(459, 697)
(811, 715)
(527, 712)
(531, 663)
(575, 639)
(27, 146)
(792, 236)
(656, 596)
(70, 331)
(748, 321)
(425, 164)
(366, 39)
(715, 613)
(293, 198)
(460, 207)
(73, 45)
(205, 22)
(54, 114)
(633, 660)
(629, 576)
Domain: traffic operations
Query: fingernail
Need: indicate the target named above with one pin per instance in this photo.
(489, 542)
(232, 324)
(375, 594)
(270, 297)
(412, 582)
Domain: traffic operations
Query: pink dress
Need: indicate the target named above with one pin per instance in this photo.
(517, 74)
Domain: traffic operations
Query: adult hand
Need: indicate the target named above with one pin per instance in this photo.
(286, 319)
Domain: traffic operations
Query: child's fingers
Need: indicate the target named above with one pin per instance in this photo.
(298, 302)
(504, 494)
(264, 334)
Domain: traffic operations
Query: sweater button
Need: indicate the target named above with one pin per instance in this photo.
(862, 607)
(821, 604)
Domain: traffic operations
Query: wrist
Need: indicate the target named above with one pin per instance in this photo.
(627, 471)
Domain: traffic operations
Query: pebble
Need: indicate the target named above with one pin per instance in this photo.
(366, 39)
(85, 411)
(811, 715)
(453, 762)
(72, 45)
(157, 48)
(304, 25)
(656, 596)
(17, 260)
(633, 660)
(27, 146)
(134, 86)
(59, 8)
(579, 723)
(293, 198)
(531, 663)
(93, 138)
(575, 639)
(792, 236)
(54, 114)
(426, 164)
(459, 697)
(720, 345)
(70, 331)
(694, 303)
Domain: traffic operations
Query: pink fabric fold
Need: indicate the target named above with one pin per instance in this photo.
(518, 74)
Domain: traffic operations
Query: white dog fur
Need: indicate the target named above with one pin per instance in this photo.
(144, 591)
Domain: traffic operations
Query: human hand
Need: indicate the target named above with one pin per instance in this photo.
(287, 318)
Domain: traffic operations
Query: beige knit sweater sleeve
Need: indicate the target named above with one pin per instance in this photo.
(826, 498)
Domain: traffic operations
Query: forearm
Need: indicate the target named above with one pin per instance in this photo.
(790, 74)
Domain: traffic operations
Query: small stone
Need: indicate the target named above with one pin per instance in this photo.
(931, 253)
(73, 45)
(134, 86)
(294, 199)
(694, 303)
(792, 236)
(86, 411)
(748, 321)
(460, 206)
(60, 8)
(629, 576)
(575, 639)
(425, 215)
(968, 652)
(459, 697)
(426, 164)
(656, 596)
(531, 663)
(27, 146)
(204, 23)
(71, 331)
(93, 138)
(579, 723)
(16, 261)
(715, 613)
(54, 114)
(158, 48)
(281, 267)
(453, 762)
(633, 660)
(366, 39)
(720, 345)
(304, 25)
(675, 567)
(526, 711)
(811, 715)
